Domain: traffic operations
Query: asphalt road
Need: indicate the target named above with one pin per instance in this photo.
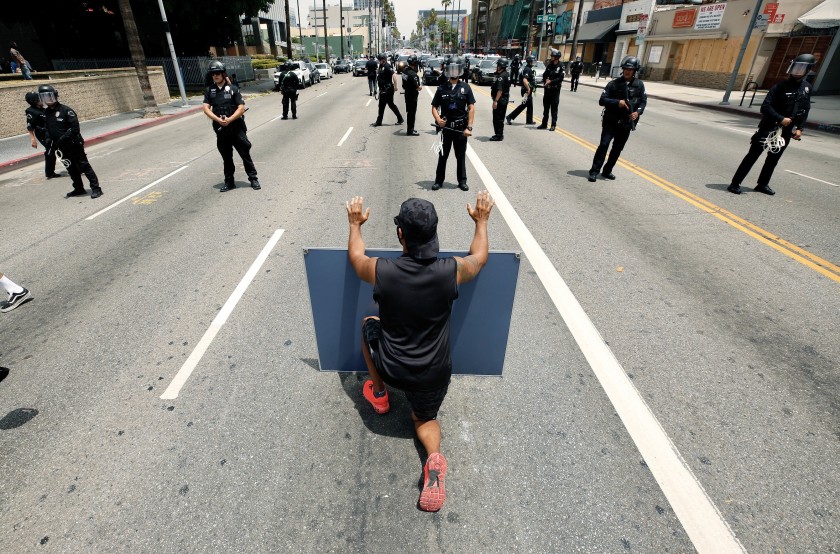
(721, 314)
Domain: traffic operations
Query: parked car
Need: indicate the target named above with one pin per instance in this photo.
(324, 70)
(343, 66)
(301, 70)
(360, 68)
(539, 69)
(483, 72)
(314, 76)
(431, 74)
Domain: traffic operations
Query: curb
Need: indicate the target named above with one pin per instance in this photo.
(825, 127)
(34, 158)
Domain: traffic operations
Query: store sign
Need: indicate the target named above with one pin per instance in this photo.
(771, 9)
(709, 17)
(643, 22)
(684, 18)
(778, 18)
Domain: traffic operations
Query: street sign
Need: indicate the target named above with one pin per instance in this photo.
(761, 22)
(547, 18)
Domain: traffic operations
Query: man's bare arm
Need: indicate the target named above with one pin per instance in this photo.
(363, 265)
(469, 266)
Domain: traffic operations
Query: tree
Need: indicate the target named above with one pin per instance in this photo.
(138, 58)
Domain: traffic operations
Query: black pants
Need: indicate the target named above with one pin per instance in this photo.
(49, 158)
(514, 76)
(460, 142)
(410, 110)
(573, 81)
(499, 116)
(529, 106)
(551, 100)
(756, 149)
(78, 164)
(290, 99)
(387, 99)
(372, 84)
(618, 135)
(228, 138)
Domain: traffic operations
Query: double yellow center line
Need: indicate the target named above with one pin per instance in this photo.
(790, 250)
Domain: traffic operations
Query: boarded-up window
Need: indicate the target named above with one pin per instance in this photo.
(787, 49)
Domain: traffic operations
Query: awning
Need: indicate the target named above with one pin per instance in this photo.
(823, 16)
(595, 32)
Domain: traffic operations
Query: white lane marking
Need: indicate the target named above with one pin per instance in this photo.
(700, 518)
(809, 177)
(740, 130)
(186, 370)
(347, 134)
(132, 195)
(368, 102)
(320, 95)
(103, 154)
(275, 118)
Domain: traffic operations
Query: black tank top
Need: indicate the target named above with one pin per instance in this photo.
(415, 304)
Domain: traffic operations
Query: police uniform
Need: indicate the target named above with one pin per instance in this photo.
(786, 99)
(500, 84)
(615, 121)
(411, 82)
(528, 104)
(452, 103)
(551, 95)
(66, 139)
(289, 85)
(371, 67)
(385, 82)
(36, 121)
(514, 70)
(576, 68)
(224, 101)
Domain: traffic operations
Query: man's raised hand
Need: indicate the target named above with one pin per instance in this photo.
(483, 205)
(356, 214)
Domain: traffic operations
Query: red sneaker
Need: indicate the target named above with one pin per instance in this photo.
(434, 493)
(380, 405)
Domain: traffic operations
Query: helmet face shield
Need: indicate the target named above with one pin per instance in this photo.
(454, 69)
(47, 98)
(798, 69)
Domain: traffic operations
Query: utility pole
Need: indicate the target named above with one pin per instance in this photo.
(725, 101)
(174, 57)
(300, 31)
(577, 28)
(542, 29)
(530, 25)
(341, 25)
(288, 33)
(370, 28)
(326, 43)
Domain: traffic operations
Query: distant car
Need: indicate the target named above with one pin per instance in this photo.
(360, 68)
(539, 69)
(324, 70)
(483, 72)
(342, 66)
(301, 70)
(314, 76)
(431, 74)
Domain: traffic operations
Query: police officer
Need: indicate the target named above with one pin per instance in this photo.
(786, 108)
(67, 142)
(443, 79)
(500, 93)
(528, 88)
(514, 68)
(386, 80)
(412, 88)
(624, 100)
(36, 124)
(453, 108)
(289, 85)
(576, 68)
(552, 81)
(371, 67)
(224, 105)
(465, 76)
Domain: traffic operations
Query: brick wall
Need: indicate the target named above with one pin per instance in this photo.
(92, 94)
(707, 79)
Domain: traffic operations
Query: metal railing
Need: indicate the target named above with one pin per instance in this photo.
(193, 69)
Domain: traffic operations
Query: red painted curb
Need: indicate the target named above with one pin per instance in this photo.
(34, 158)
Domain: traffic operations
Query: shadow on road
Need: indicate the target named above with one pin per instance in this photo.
(17, 418)
(722, 187)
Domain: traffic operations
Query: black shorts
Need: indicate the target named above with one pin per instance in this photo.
(424, 404)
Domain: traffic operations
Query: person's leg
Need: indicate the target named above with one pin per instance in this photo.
(768, 167)
(243, 148)
(546, 108)
(74, 172)
(555, 103)
(529, 110)
(394, 107)
(516, 111)
(428, 433)
(440, 174)
(619, 140)
(749, 160)
(460, 144)
(225, 148)
(9, 286)
(410, 112)
(85, 167)
(601, 151)
(383, 101)
(17, 294)
(424, 411)
(368, 336)
(285, 106)
(294, 105)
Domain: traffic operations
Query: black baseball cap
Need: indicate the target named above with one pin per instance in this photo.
(418, 221)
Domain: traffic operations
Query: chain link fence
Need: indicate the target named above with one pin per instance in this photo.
(193, 69)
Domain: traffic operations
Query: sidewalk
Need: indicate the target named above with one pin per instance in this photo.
(824, 114)
(17, 151)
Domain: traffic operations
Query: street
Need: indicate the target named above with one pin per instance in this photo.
(718, 313)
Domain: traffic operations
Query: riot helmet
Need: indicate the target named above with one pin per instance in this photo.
(216, 67)
(32, 99)
(555, 53)
(631, 62)
(48, 95)
(401, 66)
(801, 65)
(516, 57)
(413, 60)
(502, 62)
(381, 57)
(577, 58)
(530, 60)
(454, 67)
